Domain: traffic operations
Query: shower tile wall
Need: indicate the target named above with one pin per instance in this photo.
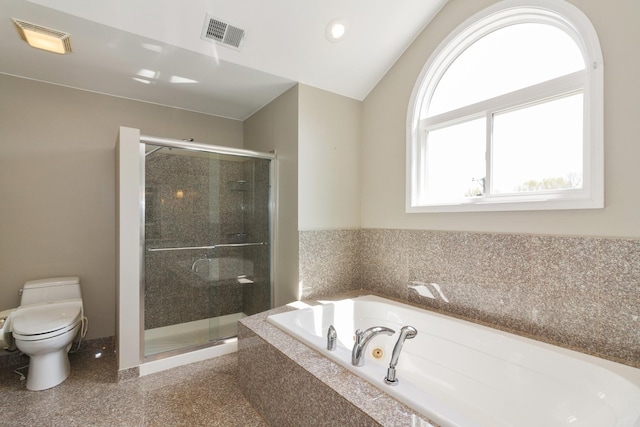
(192, 201)
(577, 292)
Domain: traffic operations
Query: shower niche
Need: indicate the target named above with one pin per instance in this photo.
(206, 245)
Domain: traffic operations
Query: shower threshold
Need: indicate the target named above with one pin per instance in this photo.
(189, 334)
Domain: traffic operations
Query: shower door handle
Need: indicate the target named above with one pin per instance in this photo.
(221, 245)
(240, 245)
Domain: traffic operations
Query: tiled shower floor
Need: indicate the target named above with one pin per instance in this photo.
(199, 394)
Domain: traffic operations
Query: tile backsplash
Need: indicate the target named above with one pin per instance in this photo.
(577, 292)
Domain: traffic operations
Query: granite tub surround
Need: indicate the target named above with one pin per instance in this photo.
(290, 384)
(581, 293)
(329, 261)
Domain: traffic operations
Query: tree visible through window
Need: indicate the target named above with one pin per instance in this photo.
(508, 114)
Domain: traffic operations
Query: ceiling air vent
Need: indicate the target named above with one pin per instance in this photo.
(222, 32)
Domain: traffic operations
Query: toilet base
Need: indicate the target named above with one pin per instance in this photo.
(48, 370)
(48, 359)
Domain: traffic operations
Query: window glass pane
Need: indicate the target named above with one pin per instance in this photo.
(456, 164)
(505, 60)
(539, 147)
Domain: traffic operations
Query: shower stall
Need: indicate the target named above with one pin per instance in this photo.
(205, 247)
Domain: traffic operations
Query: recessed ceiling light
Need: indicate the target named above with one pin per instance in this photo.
(335, 30)
(43, 38)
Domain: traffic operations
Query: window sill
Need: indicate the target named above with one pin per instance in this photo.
(505, 204)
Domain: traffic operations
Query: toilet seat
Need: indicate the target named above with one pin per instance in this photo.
(44, 336)
(43, 321)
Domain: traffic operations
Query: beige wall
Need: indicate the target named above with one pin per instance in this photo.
(329, 151)
(316, 136)
(57, 164)
(275, 128)
(57, 184)
(384, 118)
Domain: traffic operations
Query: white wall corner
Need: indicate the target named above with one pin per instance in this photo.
(129, 211)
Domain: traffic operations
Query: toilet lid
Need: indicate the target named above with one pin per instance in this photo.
(40, 319)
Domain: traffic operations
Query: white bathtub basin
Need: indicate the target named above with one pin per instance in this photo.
(462, 374)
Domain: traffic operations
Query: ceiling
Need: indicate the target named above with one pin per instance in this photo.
(151, 50)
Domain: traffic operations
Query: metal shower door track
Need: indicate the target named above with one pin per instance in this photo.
(199, 146)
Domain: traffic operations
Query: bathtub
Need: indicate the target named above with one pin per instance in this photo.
(459, 373)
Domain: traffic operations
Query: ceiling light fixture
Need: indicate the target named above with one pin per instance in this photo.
(43, 38)
(335, 30)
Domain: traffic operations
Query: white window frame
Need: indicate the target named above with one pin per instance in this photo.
(589, 81)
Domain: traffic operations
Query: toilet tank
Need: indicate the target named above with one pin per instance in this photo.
(51, 289)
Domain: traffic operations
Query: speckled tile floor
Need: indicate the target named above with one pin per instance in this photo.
(199, 394)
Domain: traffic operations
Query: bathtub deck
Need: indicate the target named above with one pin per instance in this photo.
(276, 366)
(289, 383)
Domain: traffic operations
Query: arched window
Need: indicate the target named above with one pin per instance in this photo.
(507, 114)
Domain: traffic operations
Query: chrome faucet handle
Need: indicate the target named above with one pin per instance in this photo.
(332, 337)
(194, 266)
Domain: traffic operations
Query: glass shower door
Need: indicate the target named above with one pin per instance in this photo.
(207, 258)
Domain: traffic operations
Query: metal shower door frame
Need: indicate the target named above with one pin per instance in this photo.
(216, 149)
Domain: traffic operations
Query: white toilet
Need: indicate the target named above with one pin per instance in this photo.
(44, 326)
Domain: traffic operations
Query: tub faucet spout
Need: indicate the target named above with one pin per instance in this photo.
(362, 339)
(406, 333)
